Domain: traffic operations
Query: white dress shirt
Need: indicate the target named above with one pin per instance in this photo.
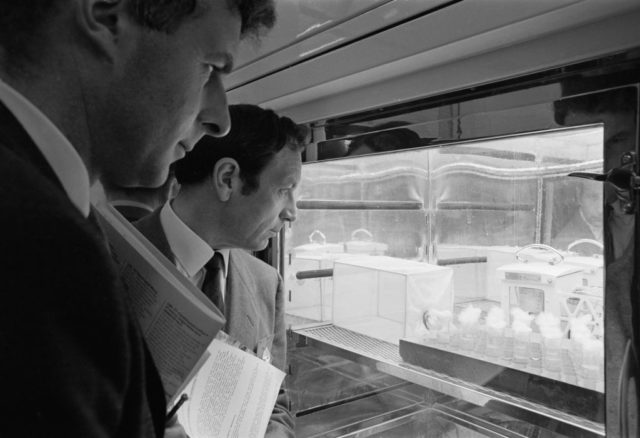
(191, 252)
(57, 150)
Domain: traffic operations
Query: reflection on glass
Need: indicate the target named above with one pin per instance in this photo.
(306, 18)
(447, 245)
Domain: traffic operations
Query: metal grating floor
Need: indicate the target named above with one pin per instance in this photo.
(370, 347)
(390, 361)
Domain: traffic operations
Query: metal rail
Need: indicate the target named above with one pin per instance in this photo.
(330, 204)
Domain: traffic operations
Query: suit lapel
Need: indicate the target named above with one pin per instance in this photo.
(242, 320)
(19, 146)
(14, 137)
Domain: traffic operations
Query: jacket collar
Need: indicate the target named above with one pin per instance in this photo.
(58, 152)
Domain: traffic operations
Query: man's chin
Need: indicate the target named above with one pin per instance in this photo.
(261, 246)
(153, 180)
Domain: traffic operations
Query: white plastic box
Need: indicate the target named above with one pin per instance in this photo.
(541, 287)
(386, 297)
(311, 298)
(592, 272)
(469, 278)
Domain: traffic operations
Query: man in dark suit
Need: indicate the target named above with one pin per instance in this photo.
(92, 89)
(235, 194)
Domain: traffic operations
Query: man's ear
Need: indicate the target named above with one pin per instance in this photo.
(101, 22)
(225, 178)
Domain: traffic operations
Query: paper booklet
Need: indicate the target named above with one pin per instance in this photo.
(232, 395)
(177, 320)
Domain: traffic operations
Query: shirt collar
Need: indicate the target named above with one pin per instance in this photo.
(190, 251)
(56, 148)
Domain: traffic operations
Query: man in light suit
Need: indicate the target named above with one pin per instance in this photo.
(235, 194)
(92, 89)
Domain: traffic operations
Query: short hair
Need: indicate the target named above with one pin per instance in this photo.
(255, 15)
(256, 136)
(385, 139)
(22, 21)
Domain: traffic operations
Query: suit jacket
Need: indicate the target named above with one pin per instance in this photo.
(72, 357)
(254, 309)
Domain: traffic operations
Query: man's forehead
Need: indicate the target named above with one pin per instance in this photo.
(231, 7)
(220, 30)
(285, 165)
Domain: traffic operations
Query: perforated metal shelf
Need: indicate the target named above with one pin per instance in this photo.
(385, 357)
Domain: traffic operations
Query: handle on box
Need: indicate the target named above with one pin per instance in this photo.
(314, 273)
(591, 241)
(425, 319)
(319, 234)
(553, 261)
(367, 234)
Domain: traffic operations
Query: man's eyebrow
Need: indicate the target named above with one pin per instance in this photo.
(293, 181)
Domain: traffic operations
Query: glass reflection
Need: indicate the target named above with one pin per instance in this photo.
(482, 249)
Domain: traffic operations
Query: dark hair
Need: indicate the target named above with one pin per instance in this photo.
(386, 140)
(256, 136)
(166, 15)
(22, 21)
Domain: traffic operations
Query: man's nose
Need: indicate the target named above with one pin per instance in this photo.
(290, 211)
(215, 115)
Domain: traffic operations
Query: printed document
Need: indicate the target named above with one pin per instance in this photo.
(232, 395)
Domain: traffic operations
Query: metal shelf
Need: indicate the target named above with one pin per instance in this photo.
(384, 356)
(335, 204)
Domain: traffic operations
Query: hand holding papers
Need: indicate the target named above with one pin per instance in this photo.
(232, 395)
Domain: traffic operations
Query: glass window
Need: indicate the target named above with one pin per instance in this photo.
(469, 234)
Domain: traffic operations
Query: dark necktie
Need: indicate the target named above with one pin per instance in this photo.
(212, 285)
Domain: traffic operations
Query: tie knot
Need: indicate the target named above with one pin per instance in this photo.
(216, 262)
